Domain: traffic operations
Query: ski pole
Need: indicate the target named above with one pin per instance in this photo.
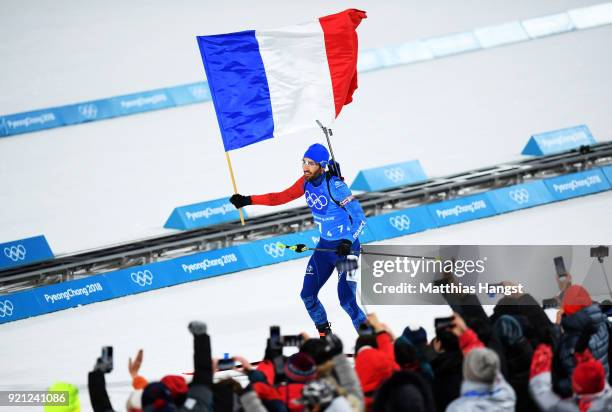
(304, 248)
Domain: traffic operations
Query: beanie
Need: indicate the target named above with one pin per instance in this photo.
(318, 153)
(417, 336)
(74, 404)
(177, 387)
(481, 365)
(576, 298)
(300, 367)
(508, 329)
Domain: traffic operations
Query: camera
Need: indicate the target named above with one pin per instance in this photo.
(105, 362)
(365, 329)
(226, 364)
(600, 252)
(551, 303)
(560, 267)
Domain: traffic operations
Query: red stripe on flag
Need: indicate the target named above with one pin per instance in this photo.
(341, 47)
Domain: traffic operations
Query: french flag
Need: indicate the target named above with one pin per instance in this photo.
(269, 83)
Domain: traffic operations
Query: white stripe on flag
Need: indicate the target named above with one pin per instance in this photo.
(298, 77)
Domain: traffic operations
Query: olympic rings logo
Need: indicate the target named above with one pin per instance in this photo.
(318, 202)
(15, 253)
(6, 308)
(395, 174)
(273, 250)
(142, 278)
(520, 196)
(401, 222)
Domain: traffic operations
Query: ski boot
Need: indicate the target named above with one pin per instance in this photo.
(324, 329)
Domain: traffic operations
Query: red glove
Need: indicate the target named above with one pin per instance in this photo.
(541, 361)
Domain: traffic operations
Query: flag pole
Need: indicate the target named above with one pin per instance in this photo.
(229, 164)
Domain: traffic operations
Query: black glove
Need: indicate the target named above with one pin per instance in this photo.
(300, 247)
(240, 201)
(344, 248)
(333, 345)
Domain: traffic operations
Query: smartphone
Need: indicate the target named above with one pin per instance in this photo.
(226, 364)
(550, 303)
(107, 358)
(444, 323)
(560, 267)
(275, 338)
(293, 341)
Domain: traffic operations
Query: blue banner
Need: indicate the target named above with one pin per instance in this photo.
(74, 293)
(608, 172)
(577, 184)
(401, 223)
(386, 177)
(190, 93)
(18, 305)
(558, 141)
(141, 102)
(32, 121)
(142, 278)
(520, 196)
(2, 127)
(86, 112)
(461, 210)
(209, 264)
(24, 251)
(203, 214)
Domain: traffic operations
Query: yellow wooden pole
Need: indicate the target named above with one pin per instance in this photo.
(229, 164)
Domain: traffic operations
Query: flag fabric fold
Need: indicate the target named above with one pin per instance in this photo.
(270, 83)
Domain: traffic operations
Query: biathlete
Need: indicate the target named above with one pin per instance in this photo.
(340, 220)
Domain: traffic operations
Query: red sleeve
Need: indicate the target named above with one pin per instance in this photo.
(267, 368)
(279, 198)
(385, 345)
(468, 341)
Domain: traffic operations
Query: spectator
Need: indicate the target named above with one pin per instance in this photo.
(580, 316)
(375, 365)
(404, 391)
(483, 386)
(518, 352)
(447, 367)
(319, 396)
(591, 392)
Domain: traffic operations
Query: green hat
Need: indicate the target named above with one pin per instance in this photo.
(74, 405)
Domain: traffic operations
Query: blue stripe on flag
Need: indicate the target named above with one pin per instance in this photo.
(239, 87)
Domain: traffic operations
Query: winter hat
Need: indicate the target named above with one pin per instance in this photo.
(317, 392)
(134, 402)
(417, 336)
(405, 352)
(588, 377)
(74, 404)
(576, 298)
(315, 348)
(318, 153)
(373, 367)
(300, 367)
(177, 386)
(508, 329)
(157, 397)
(481, 365)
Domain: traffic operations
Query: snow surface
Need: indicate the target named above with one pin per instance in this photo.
(107, 182)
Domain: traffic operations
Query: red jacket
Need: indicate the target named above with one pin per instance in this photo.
(284, 393)
(374, 366)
